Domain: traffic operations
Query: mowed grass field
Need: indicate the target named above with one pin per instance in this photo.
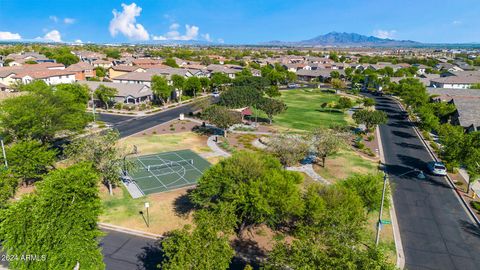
(304, 110)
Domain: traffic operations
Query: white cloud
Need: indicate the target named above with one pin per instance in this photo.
(456, 22)
(9, 36)
(78, 41)
(191, 33)
(68, 20)
(220, 40)
(207, 37)
(53, 35)
(385, 33)
(124, 22)
(53, 18)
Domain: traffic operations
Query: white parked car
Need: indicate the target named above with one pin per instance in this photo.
(216, 94)
(437, 168)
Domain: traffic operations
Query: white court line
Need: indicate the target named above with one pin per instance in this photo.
(152, 173)
(175, 171)
(190, 164)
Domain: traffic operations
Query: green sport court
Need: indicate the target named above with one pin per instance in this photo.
(163, 172)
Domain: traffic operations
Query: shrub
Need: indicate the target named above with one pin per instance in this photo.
(154, 132)
(370, 138)
(475, 205)
(359, 145)
(118, 106)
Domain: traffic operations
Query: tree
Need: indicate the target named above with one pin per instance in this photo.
(186, 248)
(113, 53)
(30, 159)
(171, 62)
(475, 86)
(335, 75)
(327, 142)
(178, 82)
(344, 103)
(100, 149)
(160, 88)
(192, 86)
(272, 107)
(471, 156)
(289, 149)
(370, 118)
(42, 113)
(273, 91)
(219, 80)
(240, 96)
(369, 187)
(8, 187)
(452, 139)
(58, 222)
(256, 185)
(81, 92)
(259, 83)
(205, 82)
(100, 72)
(338, 84)
(105, 94)
(222, 117)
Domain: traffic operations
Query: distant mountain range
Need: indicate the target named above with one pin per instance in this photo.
(347, 40)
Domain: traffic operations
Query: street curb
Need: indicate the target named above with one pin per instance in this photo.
(465, 205)
(116, 228)
(393, 214)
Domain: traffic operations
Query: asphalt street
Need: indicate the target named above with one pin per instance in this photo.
(123, 251)
(436, 231)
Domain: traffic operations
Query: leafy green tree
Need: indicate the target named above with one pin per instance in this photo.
(256, 185)
(344, 103)
(101, 149)
(259, 83)
(8, 187)
(160, 88)
(186, 248)
(81, 92)
(273, 91)
(105, 94)
(369, 187)
(113, 53)
(192, 86)
(218, 80)
(370, 118)
(475, 86)
(178, 82)
(272, 107)
(171, 62)
(100, 72)
(327, 142)
(30, 159)
(58, 222)
(41, 114)
(205, 82)
(452, 139)
(335, 75)
(221, 117)
(471, 156)
(240, 96)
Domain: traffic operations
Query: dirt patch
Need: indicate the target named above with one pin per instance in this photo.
(172, 127)
(168, 211)
(156, 143)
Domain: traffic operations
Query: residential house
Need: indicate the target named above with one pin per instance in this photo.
(83, 70)
(126, 93)
(106, 64)
(230, 72)
(119, 70)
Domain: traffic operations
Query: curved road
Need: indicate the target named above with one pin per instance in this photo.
(436, 231)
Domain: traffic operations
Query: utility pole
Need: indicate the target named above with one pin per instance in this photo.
(379, 225)
(4, 154)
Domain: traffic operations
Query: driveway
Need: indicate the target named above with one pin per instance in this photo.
(436, 231)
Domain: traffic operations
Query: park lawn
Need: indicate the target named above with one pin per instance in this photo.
(344, 164)
(155, 143)
(304, 111)
(121, 210)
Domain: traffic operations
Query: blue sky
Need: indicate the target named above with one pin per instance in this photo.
(240, 21)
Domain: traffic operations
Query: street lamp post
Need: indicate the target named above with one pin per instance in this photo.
(147, 205)
(379, 224)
